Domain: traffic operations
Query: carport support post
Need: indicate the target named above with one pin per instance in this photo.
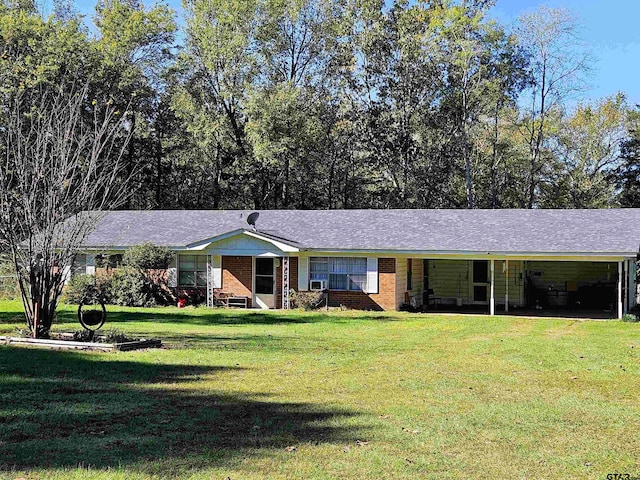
(631, 301)
(620, 270)
(492, 300)
(506, 285)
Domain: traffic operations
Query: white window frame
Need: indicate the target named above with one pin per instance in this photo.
(195, 271)
(349, 273)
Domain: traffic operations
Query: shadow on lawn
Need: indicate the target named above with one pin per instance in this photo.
(61, 409)
(218, 316)
(204, 316)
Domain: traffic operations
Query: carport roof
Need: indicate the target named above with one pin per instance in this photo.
(612, 231)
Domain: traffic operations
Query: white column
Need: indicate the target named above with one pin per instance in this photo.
(506, 286)
(619, 289)
(492, 300)
(285, 283)
(632, 283)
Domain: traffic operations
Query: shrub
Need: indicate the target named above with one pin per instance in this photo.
(115, 336)
(311, 300)
(83, 336)
(108, 261)
(9, 289)
(131, 288)
(108, 336)
(79, 288)
(148, 257)
(629, 317)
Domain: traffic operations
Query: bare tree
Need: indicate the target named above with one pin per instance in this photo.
(60, 163)
(559, 64)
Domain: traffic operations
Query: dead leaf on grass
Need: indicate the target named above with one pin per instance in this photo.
(360, 443)
(409, 461)
(291, 449)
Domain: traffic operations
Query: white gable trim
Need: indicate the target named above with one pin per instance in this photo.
(282, 246)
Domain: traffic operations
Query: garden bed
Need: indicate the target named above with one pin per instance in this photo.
(65, 341)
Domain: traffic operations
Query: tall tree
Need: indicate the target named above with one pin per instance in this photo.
(558, 64)
(215, 69)
(56, 165)
(627, 175)
(295, 45)
(135, 44)
(587, 145)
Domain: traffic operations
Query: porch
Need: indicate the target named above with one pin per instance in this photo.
(532, 287)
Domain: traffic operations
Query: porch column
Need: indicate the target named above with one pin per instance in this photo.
(285, 283)
(506, 285)
(632, 284)
(620, 289)
(492, 300)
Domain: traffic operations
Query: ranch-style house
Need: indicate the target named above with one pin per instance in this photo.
(490, 260)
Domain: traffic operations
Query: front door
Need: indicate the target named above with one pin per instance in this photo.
(480, 283)
(265, 282)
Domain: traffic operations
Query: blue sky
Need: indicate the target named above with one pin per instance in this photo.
(611, 30)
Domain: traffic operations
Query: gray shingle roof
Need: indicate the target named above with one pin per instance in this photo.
(615, 231)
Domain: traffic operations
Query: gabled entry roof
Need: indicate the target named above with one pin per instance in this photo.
(612, 231)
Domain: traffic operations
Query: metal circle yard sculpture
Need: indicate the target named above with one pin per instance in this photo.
(92, 313)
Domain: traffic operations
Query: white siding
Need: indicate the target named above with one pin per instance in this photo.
(417, 282)
(216, 271)
(516, 283)
(401, 280)
(449, 279)
(303, 274)
(244, 245)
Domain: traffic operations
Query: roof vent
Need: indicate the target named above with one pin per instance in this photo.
(252, 219)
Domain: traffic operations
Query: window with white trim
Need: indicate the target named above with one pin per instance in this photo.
(340, 273)
(192, 270)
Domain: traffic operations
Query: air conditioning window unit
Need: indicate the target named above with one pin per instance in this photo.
(318, 285)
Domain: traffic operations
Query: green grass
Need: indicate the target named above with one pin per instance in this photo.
(434, 397)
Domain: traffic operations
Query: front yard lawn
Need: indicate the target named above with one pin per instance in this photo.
(242, 394)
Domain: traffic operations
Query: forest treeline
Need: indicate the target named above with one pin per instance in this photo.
(336, 103)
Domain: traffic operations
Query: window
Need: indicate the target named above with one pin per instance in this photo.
(79, 264)
(409, 274)
(340, 273)
(192, 270)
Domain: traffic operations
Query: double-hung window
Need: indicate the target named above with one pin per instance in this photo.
(192, 270)
(340, 273)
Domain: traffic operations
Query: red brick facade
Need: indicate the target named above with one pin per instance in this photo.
(385, 299)
(237, 276)
(237, 279)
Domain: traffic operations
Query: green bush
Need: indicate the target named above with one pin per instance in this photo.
(148, 257)
(131, 288)
(80, 288)
(630, 317)
(311, 300)
(9, 289)
(108, 261)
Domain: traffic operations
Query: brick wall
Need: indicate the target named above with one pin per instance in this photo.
(237, 275)
(385, 299)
